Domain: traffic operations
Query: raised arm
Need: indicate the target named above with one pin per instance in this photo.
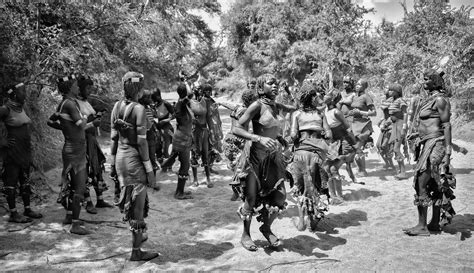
(286, 108)
(170, 109)
(227, 105)
(347, 100)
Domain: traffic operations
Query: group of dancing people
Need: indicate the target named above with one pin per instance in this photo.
(303, 140)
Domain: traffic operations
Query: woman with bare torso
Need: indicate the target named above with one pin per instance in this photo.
(264, 184)
(398, 115)
(309, 129)
(362, 108)
(433, 181)
(16, 152)
(200, 107)
(70, 120)
(132, 161)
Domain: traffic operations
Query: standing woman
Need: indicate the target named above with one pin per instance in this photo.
(17, 159)
(201, 124)
(130, 153)
(95, 156)
(308, 130)
(182, 141)
(341, 148)
(398, 115)
(165, 113)
(362, 108)
(433, 181)
(266, 174)
(69, 119)
(385, 124)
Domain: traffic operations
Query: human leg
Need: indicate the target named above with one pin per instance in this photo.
(78, 181)
(138, 228)
(422, 201)
(101, 203)
(25, 190)
(205, 157)
(400, 159)
(245, 212)
(183, 176)
(90, 208)
(10, 177)
(277, 199)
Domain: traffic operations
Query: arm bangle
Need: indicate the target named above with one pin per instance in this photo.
(257, 139)
(148, 167)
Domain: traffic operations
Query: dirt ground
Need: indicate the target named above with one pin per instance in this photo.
(202, 234)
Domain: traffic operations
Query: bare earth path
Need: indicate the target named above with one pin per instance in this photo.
(363, 234)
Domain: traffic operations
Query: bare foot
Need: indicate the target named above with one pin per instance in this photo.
(418, 232)
(434, 227)
(182, 196)
(103, 204)
(314, 221)
(139, 255)
(32, 214)
(268, 234)
(15, 217)
(209, 183)
(90, 208)
(247, 243)
(77, 229)
(401, 176)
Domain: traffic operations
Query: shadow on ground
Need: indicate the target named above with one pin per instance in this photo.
(199, 250)
(360, 194)
(461, 226)
(332, 222)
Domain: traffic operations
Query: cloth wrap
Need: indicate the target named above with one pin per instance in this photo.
(438, 191)
(132, 177)
(74, 159)
(200, 137)
(384, 146)
(269, 168)
(95, 159)
(309, 156)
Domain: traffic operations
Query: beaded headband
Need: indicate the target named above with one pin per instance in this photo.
(14, 88)
(67, 78)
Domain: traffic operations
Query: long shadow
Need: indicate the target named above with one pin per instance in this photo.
(342, 220)
(305, 245)
(354, 195)
(461, 225)
(463, 170)
(199, 250)
(360, 194)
